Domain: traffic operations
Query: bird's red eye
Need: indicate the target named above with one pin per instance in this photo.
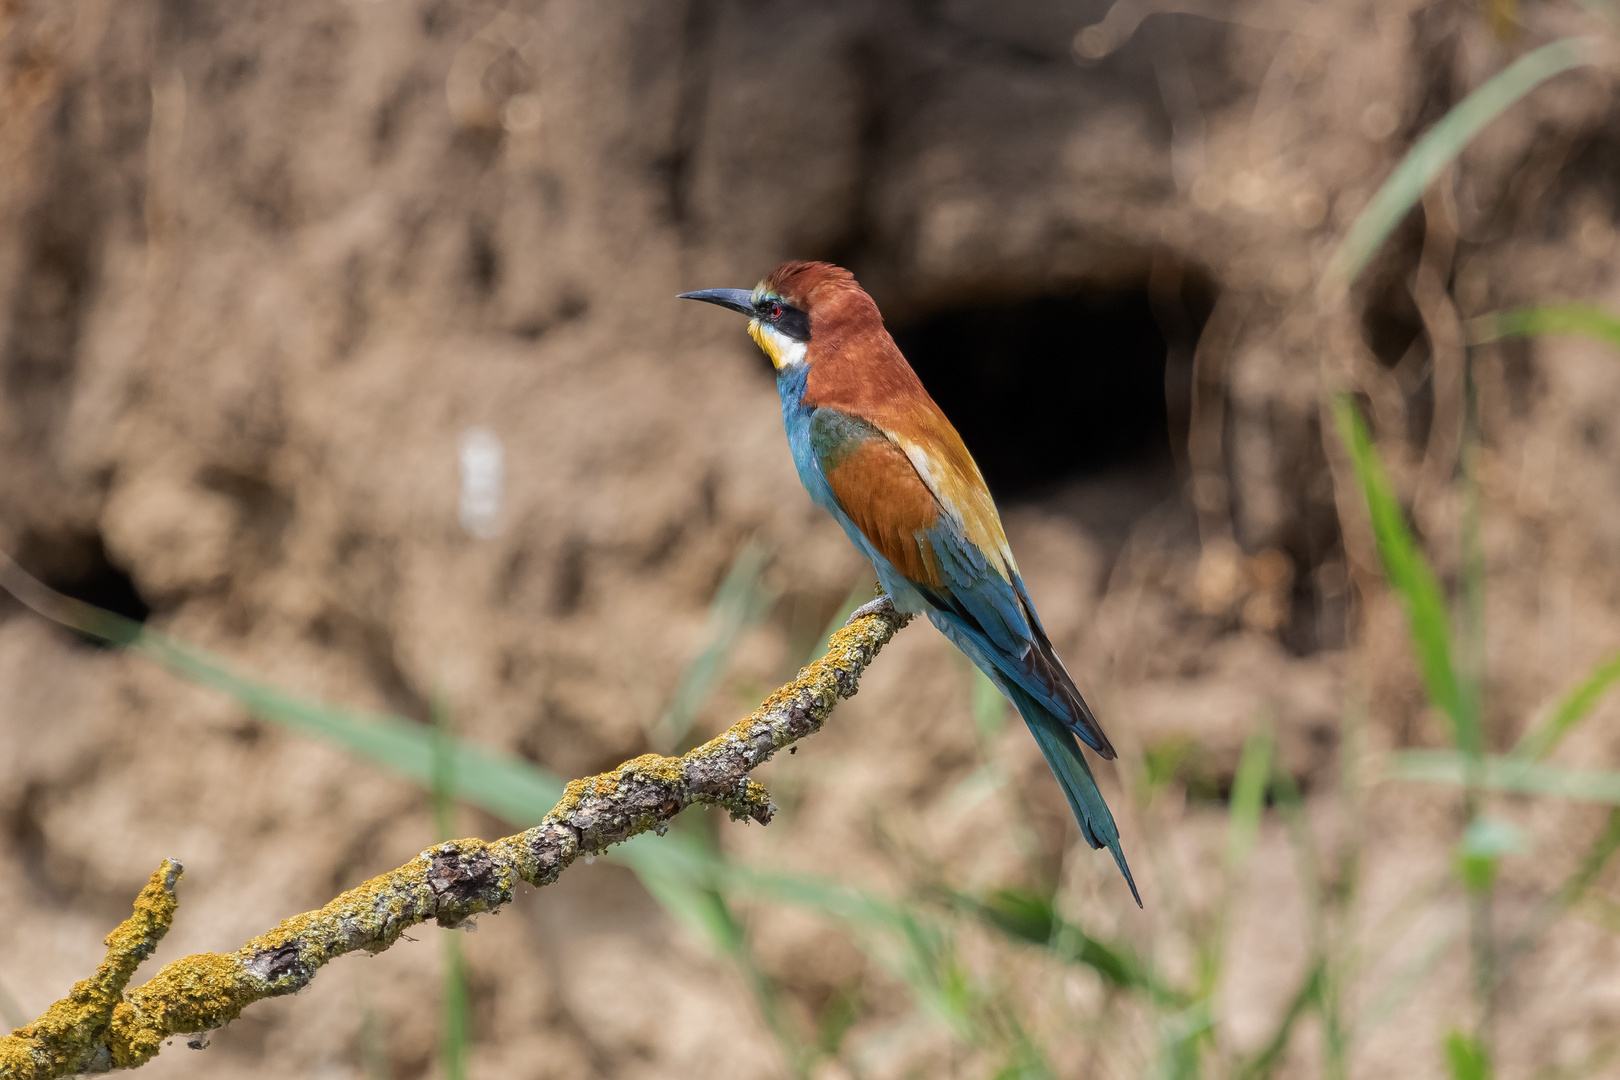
(776, 311)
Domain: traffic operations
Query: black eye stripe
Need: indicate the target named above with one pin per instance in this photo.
(786, 318)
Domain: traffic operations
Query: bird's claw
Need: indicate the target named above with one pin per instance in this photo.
(881, 606)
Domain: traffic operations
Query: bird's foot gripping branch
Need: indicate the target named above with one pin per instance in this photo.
(100, 1025)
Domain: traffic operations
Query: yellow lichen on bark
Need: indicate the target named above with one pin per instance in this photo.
(198, 993)
(71, 1036)
(100, 1026)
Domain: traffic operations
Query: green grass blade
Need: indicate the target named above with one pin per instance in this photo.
(1409, 574)
(453, 1029)
(455, 1032)
(1574, 707)
(1467, 1057)
(989, 707)
(913, 949)
(858, 595)
(1438, 147)
(373, 1040)
(1032, 918)
(692, 888)
(741, 601)
(1567, 895)
(1027, 916)
(444, 771)
(1597, 857)
(1181, 1040)
(508, 787)
(1584, 320)
(1471, 638)
(1248, 799)
(837, 1017)
(1407, 980)
(1514, 774)
(1265, 1062)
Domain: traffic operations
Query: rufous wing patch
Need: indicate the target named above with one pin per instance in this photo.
(876, 485)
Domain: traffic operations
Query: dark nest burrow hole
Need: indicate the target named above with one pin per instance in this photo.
(1089, 384)
(78, 565)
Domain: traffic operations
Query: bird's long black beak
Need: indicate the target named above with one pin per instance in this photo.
(736, 299)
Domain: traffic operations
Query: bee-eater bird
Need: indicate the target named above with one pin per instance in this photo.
(874, 450)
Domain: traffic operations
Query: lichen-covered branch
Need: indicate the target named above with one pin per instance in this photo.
(100, 1025)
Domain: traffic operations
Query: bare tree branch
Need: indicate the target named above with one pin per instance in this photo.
(100, 1026)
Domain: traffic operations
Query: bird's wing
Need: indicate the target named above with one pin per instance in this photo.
(934, 521)
(878, 490)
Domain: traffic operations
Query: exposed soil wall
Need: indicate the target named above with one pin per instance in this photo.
(262, 266)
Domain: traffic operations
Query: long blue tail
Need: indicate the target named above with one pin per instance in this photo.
(1057, 741)
(1064, 755)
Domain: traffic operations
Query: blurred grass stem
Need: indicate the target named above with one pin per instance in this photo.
(1438, 147)
(455, 1030)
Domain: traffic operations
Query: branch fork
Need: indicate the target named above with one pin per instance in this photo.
(102, 1025)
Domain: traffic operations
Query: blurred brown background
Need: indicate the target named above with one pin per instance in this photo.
(263, 267)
